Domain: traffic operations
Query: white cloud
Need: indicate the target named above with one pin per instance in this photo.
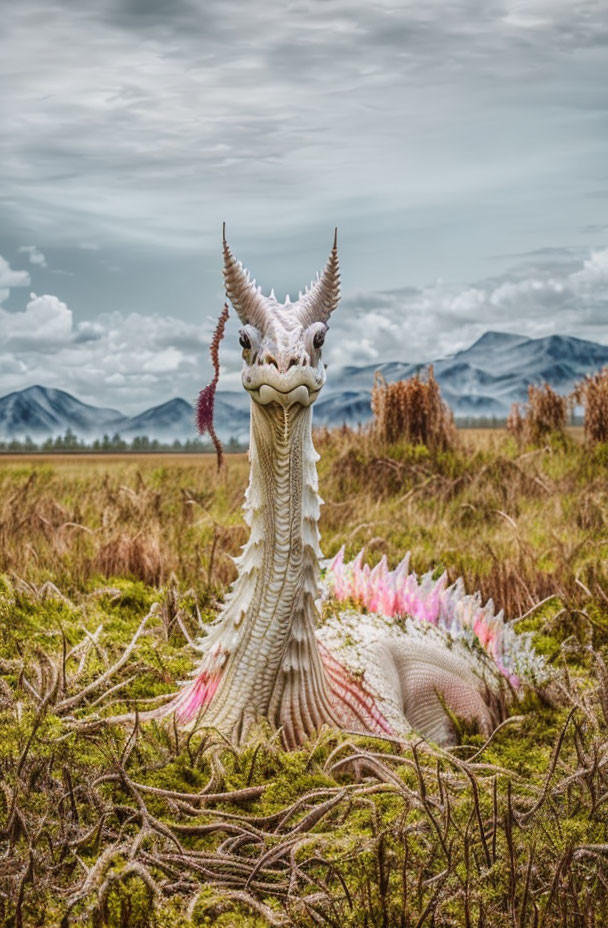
(45, 324)
(88, 332)
(432, 134)
(12, 365)
(34, 254)
(131, 361)
(10, 278)
(593, 274)
(165, 361)
(422, 324)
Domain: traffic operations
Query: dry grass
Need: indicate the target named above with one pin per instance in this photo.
(593, 392)
(516, 525)
(412, 410)
(140, 825)
(545, 415)
(546, 412)
(77, 518)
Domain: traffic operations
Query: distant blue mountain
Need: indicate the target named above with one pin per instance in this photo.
(42, 411)
(482, 381)
(169, 420)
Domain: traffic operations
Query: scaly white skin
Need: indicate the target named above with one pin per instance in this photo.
(266, 633)
(265, 657)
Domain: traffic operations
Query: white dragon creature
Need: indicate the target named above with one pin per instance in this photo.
(418, 655)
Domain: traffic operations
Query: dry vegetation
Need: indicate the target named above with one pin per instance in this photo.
(412, 410)
(111, 568)
(593, 394)
(545, 415)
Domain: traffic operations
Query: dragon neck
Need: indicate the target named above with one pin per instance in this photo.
(271, 666)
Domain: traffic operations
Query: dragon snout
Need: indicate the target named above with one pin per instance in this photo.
(283, 361)
(287, 379)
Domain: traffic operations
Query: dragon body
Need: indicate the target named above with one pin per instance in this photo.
(397, 653)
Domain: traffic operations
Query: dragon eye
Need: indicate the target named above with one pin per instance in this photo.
(244, 340)
(318, 338)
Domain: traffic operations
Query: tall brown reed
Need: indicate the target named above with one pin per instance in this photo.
(593, 393)
(544, 414)
(413, 410)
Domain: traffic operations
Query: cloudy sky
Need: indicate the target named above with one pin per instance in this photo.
(461, 146)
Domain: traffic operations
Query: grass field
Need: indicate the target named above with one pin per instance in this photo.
(110, 566)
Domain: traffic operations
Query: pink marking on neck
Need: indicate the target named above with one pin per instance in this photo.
(197, 694)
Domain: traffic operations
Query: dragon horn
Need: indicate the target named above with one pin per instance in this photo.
(248, 301)
(322, 297)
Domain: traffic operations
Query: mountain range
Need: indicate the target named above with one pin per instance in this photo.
(482, 381)
(479, 382)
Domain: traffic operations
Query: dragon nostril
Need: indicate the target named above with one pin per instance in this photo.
(292, 363)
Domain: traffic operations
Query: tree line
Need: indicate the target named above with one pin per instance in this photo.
(111, 443)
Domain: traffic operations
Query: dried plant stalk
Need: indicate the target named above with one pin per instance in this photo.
(206, 398)
(593, 393)
(412, 409)
(544, 414)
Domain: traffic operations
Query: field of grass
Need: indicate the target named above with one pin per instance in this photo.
(110, 567)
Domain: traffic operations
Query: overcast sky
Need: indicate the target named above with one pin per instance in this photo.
(460, 147)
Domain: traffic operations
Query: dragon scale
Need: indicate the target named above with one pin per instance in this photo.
(421, 652)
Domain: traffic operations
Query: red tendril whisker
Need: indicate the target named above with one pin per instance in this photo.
(206, 398)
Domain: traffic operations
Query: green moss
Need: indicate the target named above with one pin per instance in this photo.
(450, 509)
(129, 903)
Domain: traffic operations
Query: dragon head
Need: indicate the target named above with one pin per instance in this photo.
(282, 342)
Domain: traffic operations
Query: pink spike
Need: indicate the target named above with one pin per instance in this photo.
(338, 562)
(399, 592)
(387, 601)
(338, 576)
